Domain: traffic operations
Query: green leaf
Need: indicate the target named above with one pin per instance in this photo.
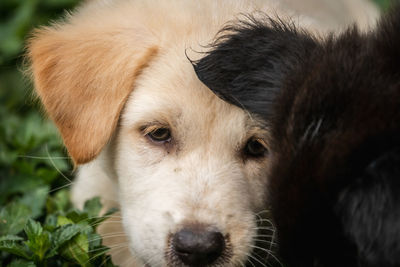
(61, 236)
(93, 207)
(10, 238)
(83, 226)
(16, 248)
(13, 218)
(96, 221)
(33, 229)
(39, 241)
(77, 250)
(62, 220)
(94, 241)
(65, 233)
(77, 216)
(50, 223)
(60, 202)
(21, 263)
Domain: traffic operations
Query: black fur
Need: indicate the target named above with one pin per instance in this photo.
(250, 60)
(334, 107)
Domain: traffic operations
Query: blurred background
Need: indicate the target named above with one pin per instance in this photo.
(31, 154)
(33, 164)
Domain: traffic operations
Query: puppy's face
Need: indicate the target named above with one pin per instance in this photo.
(187, 161)
(334, 180)
(189, 168)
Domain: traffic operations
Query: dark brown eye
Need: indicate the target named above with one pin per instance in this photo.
(160, 135)
(255, 148)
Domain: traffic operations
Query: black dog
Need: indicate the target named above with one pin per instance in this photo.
(334, 109)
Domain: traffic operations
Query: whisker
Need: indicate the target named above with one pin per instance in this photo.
(112, 215)
(241, 263)
(257, 260)
(107, 237)
(272, 242)
(268, 251)
(55, 167)
(264, 220)
(262, 212)
(38, 157)
(264, 227)
(129, 261)
(101, 217)
(95, 224)
(119, 250)
(107, 249)
(148, 262)
(59, 188)
(110, 247)
(250, 257)
(266, 241)
(264, 235)
(249, 260)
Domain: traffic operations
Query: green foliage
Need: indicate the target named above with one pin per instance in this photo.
(18, 18)
(67, 236)
(38, 225)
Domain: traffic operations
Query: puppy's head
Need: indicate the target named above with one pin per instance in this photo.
(189, 168)
(335, 156)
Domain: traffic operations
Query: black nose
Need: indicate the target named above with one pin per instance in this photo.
(198, 246)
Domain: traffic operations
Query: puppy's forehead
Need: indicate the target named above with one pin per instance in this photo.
(169, 92)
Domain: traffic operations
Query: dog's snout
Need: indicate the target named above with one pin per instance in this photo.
(198, 247)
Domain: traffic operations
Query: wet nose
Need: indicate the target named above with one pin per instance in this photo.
(198, 247)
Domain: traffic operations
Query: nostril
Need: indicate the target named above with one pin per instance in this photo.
(198, 247)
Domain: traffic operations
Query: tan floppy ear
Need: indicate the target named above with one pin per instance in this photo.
(83, 75)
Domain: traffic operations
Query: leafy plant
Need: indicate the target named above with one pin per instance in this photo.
(67, 236)
(38, 225)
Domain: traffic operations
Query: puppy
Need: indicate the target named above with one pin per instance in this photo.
(333, 106)
(186, 170)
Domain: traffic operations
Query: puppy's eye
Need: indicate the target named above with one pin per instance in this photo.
(160, 135)
(255, 148)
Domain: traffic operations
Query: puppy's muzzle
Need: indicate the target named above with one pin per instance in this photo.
(198, 246)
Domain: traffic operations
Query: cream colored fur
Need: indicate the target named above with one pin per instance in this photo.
(113, 68)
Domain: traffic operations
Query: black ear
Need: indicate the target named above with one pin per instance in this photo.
(250, 60)
(370, 212)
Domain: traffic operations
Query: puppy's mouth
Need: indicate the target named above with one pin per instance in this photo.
(195, 247)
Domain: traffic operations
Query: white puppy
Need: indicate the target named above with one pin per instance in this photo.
(187, 170)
